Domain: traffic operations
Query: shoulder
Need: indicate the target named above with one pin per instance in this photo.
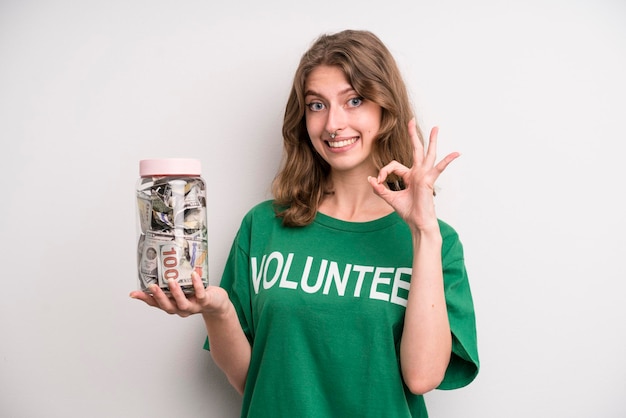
(257, 222)
(451, 245)
(264, 210)
(447, 231)
(262, 215)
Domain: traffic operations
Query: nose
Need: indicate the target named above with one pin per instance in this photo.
(336, 119)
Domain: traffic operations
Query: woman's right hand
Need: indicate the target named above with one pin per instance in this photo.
(212, 301)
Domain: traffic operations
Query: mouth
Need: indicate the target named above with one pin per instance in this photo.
(342, 143)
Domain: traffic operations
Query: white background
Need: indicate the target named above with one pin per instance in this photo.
(533, 94)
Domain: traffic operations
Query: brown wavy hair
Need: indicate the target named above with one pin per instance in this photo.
(303, 178)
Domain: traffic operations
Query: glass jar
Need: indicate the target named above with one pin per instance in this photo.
(171, 223)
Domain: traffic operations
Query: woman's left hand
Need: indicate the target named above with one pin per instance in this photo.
(415, 204)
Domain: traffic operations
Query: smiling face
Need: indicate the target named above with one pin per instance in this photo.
(334, 107)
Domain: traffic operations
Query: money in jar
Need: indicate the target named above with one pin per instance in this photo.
(171, 223)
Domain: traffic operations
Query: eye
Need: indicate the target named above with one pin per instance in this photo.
(355, 102)
(315, 106)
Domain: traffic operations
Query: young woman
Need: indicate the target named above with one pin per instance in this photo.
(345, 296)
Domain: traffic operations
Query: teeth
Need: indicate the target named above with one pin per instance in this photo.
(339, 144)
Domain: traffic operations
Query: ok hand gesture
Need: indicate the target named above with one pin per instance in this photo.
(415, 204)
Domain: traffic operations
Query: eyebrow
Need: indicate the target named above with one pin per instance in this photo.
(314, 93)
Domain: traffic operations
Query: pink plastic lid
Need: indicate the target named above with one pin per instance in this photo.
(170, 167)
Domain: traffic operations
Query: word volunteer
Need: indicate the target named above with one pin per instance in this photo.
(388, 284)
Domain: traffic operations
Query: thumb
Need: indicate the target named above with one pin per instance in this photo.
(379, 188)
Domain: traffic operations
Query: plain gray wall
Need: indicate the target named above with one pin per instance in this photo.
(532, 94)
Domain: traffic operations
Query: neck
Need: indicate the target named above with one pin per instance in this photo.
(353, 200)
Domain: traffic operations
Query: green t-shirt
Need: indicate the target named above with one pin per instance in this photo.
(323, 308)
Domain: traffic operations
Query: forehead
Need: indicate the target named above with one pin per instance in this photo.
(326, 80)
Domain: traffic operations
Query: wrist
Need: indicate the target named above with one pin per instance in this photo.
(430, 234)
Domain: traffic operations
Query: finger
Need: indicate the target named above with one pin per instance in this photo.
(182, 303)
(144, 297)
(393, 167)
(198, 287)
(431, 152)
(446, 161)
(379, 188)
(418, 146)
(162, 300)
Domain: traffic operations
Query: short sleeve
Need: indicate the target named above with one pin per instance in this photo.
(464, 362)
(235, 280)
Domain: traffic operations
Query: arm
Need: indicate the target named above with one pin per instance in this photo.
(426, 339)
(230, 348)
